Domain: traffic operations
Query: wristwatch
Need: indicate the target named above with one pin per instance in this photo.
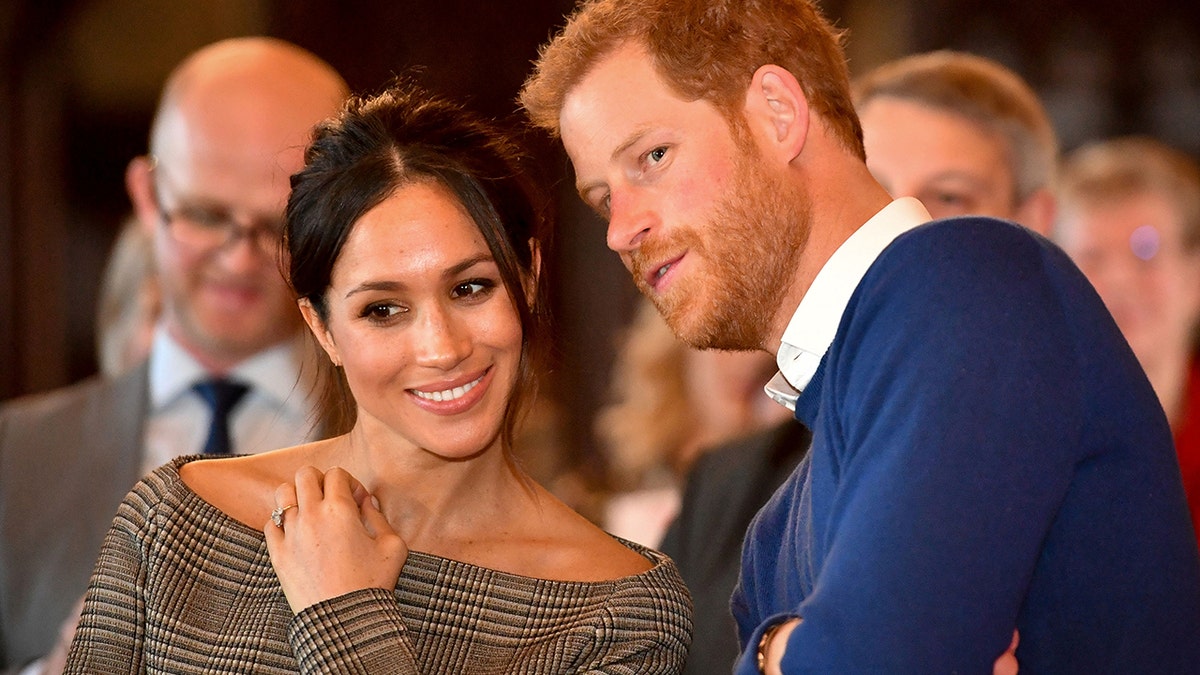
(763, 643)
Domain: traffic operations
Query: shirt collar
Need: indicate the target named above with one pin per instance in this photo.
(274, 372)
(816, 320)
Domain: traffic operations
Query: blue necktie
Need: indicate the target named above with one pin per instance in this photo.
(221, 396)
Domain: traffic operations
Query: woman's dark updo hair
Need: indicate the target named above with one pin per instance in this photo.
(377, 145)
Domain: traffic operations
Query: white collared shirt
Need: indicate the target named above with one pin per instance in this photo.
(816, 320)
(275, 413)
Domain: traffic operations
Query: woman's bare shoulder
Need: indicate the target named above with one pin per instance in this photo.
(579, 550)
(243, 487)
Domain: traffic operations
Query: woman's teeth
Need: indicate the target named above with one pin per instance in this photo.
(447, 394)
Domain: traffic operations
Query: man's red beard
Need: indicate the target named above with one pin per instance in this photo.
(741, 262)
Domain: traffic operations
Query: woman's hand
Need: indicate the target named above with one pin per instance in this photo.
(333, 541)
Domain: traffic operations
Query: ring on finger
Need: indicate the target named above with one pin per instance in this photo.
(277, 514)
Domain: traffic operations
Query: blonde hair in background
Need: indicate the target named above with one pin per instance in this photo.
(670, 403)
(648, 419)
(129, 304)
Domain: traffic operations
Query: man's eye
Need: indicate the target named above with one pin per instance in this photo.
(274, 228)
(950, 198)
(205, 217)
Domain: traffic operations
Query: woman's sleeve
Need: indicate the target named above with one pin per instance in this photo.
(111, 632)
(360, 632)
(649, 629)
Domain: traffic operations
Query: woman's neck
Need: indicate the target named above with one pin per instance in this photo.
(431, 500)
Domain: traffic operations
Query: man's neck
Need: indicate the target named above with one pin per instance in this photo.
(217, 363)
(837, 212)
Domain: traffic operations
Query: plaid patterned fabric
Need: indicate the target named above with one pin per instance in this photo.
(182, 588)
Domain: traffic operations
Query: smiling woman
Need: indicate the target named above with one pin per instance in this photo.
(421, 324)
(413, 542)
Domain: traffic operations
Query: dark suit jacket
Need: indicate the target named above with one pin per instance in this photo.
(67, 459)
(725, 488)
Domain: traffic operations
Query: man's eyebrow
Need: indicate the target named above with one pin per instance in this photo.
(637, 135)
(633, 139)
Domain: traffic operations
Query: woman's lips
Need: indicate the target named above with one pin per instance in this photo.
(452, 398)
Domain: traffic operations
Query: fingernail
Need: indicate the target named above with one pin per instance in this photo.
(375, 503)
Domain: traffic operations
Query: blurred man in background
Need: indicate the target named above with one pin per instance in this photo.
(226, 371)
(1130, 218)
(962, 133)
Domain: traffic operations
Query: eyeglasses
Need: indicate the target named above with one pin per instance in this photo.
(206, 229)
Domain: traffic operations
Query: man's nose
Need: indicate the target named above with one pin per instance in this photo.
(631, 219)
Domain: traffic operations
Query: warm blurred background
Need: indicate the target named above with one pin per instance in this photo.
(79, 80)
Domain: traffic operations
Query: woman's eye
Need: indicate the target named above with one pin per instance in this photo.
(381, 311)
(474, 287)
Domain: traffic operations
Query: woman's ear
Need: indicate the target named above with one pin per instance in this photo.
(777, 112)
(319, 331)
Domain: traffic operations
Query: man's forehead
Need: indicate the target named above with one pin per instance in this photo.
(621, 98)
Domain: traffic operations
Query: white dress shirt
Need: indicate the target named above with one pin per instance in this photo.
(277, 411)
(816, 320)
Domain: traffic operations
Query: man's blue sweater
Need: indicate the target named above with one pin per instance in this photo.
(987, 455)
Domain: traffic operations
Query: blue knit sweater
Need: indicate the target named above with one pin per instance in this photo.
(987, 454)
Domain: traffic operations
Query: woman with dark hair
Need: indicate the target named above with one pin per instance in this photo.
(412, 543)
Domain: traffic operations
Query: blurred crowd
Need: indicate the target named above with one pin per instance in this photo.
(202, 350)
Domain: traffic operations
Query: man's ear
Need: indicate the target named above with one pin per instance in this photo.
(319, 331)
(777, 112)
(139, 183)
(1037, 212)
